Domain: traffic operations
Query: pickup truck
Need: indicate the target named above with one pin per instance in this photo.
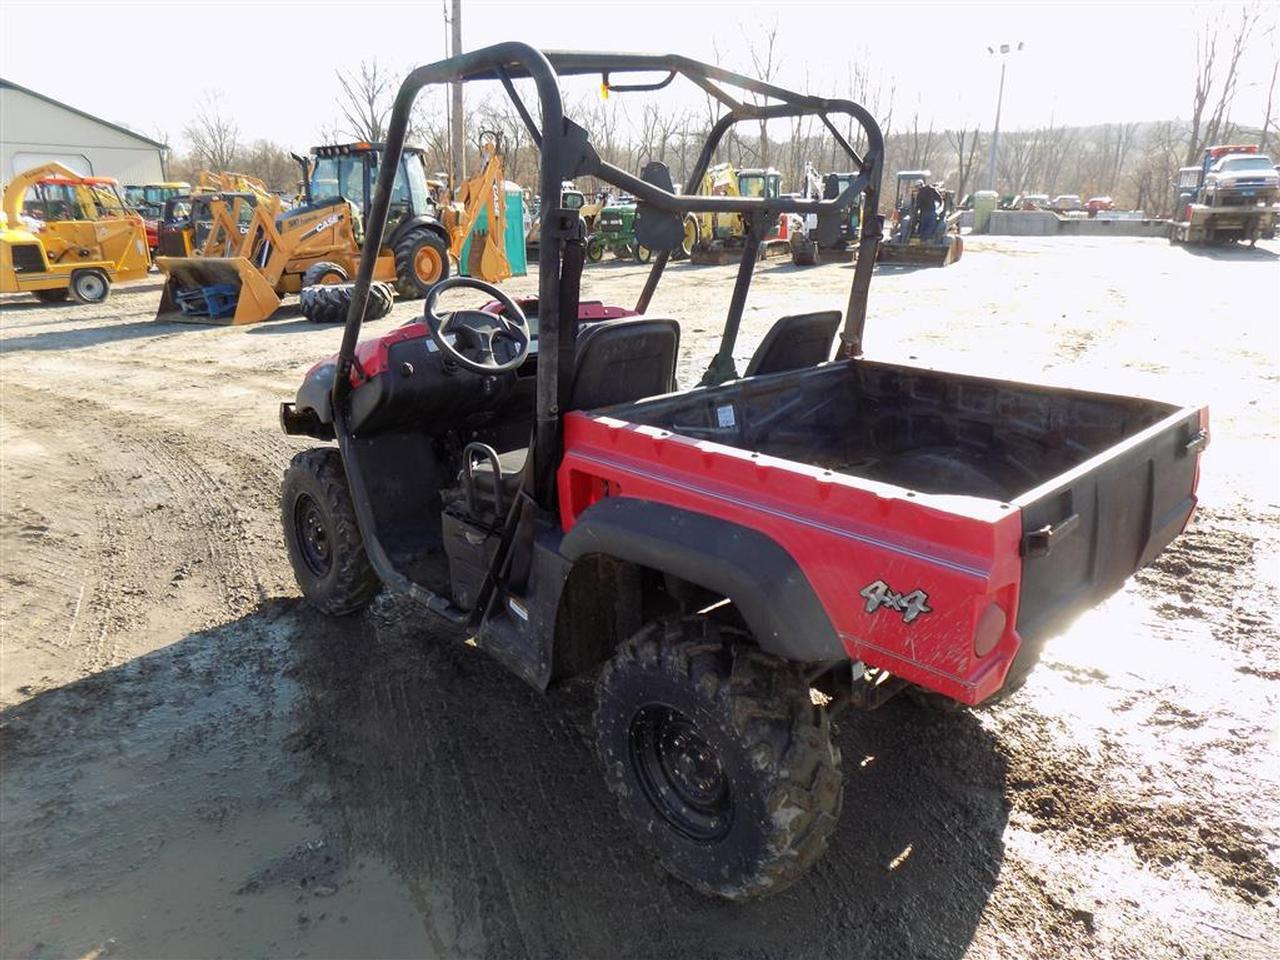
(1230, 197)
(735, 562)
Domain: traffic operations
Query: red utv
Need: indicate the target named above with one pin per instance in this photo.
(721, 555)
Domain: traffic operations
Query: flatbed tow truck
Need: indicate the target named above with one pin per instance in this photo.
(737, 562)
(1230, 198)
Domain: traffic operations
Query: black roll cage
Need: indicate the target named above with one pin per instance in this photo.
(567, 153)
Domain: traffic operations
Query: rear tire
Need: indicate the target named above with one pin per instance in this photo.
(51, 296)
(324, 272)
(322, 535)
(329, 302)
(90, 286)
(422, 261)
(717, 757)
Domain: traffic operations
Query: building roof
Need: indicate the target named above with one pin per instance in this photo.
(9, 84)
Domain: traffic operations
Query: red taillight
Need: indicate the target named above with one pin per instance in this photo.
(989, 630)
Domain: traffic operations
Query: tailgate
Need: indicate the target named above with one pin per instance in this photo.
(1087, 531)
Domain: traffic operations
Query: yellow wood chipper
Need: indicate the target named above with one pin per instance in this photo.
(63, 235)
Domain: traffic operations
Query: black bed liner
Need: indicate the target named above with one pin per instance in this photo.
(1103, 482)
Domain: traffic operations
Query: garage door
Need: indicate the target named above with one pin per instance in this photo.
(76, 161)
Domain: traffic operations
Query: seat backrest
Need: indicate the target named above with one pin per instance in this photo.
(796, 342)
(619, 361)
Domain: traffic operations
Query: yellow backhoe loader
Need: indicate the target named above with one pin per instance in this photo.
(185, 219)
(63, 234)
(254, 252)
(480, 208)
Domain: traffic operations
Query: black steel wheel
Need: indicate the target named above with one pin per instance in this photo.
(717, 757)
(681, 773)
(311, 535)
(322, 535)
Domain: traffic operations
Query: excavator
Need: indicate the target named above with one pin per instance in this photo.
(74, 237)
(712, 238)
(803, 238)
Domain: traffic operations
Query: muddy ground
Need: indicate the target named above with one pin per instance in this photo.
(194, 764)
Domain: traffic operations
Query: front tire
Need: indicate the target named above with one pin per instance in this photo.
(595, 249)
(90, 286)
(322, 535)
(692, 234)
(422, 261)
(717, 757)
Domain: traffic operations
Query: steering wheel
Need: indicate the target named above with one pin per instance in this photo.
(477, 330)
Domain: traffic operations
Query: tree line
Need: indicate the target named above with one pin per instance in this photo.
(1133, 162)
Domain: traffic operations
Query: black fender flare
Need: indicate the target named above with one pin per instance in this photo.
(753, 570)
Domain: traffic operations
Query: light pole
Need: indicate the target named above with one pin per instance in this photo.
(1004, 50)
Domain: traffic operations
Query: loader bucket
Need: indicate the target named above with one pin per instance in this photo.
(228, 290)
(920, 254)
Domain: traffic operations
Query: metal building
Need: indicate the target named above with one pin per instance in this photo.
(35, 129)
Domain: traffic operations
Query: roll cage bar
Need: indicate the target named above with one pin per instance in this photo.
(567, 153)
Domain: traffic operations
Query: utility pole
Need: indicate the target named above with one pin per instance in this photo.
(1005, 50)
(456, 149)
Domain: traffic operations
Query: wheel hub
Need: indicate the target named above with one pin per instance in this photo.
(681, 773)
(313, 538)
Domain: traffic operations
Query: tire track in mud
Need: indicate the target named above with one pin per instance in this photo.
(170, 507)
(1199, 577)
(1063, 790)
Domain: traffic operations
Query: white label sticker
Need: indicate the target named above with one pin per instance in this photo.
(518, 609)
(724, 416)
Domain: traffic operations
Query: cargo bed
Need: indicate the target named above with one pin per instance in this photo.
(1102, 483)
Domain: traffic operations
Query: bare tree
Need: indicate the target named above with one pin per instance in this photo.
(366, 100)
(966, 148)
(1210, 113)
(921, 144)
(1269, 120)
(764, 65)
(214, 137)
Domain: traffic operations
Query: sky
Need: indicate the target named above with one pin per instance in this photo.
(274, 65)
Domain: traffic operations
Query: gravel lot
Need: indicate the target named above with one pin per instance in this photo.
(194, 764)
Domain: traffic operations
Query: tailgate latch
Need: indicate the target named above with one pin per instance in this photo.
(1199, 440)
(1039, 543)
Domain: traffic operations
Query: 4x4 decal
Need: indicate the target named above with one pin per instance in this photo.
(910, 605)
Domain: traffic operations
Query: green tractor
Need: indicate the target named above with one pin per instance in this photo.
(616, 233)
